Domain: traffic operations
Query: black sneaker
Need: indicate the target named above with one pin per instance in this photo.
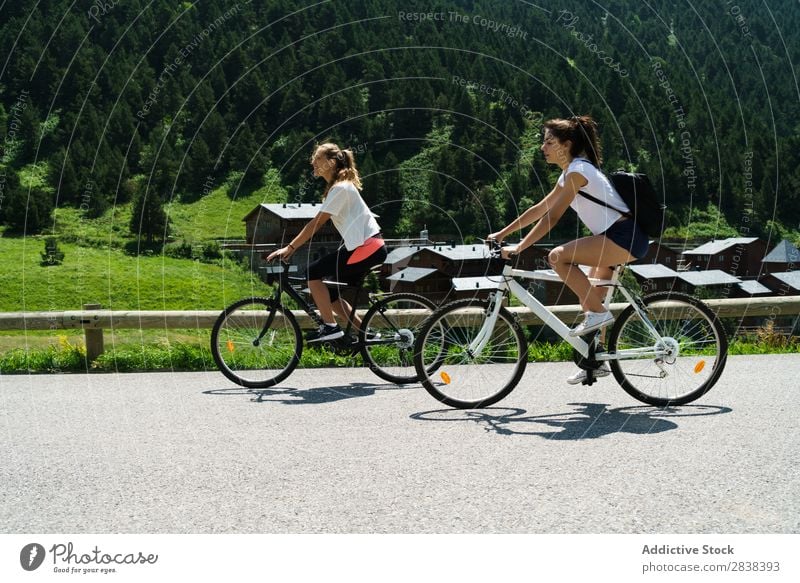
(324, 333)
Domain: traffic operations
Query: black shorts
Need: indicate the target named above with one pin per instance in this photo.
(334, 266)
(629, 236)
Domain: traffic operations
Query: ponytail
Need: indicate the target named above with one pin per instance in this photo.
(581, 130)
(344, 163)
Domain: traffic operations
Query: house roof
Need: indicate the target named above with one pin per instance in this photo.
(460, 252)
(475, 283)
(790, 278)
(752, 287)
(708, 277)
(784, 252)
(412, 274)
(652, 271)
(288, 210)
(717, 246)
(400, 253)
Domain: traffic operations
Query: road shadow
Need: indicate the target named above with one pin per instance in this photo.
(313, 396)
(585, 421)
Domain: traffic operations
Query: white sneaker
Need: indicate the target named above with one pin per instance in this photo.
(580, 376)
(594, 321)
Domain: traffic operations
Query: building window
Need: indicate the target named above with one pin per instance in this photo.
(667, 259)
(722, 258)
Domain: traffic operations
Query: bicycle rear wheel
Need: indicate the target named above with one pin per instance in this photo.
(255, 343)
(694, 334)
(387, 336)
(452, 373)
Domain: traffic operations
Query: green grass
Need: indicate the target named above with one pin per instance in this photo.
(218, 215)
(107, 231)
(188, 350)
(115, 280)
(749, 346)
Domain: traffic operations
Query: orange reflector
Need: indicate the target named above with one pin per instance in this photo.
(699, 366)
(230, 346)
(445, 377)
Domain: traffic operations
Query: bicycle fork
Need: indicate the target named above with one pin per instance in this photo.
(485, 333)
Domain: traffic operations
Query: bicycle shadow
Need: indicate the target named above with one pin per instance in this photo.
(588, 421)
(313, 396)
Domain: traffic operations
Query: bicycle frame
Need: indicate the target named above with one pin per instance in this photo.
(280, 275)
(509, 285)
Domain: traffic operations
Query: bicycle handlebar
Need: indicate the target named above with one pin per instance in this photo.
(495, 248)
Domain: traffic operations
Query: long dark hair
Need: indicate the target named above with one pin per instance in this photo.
(581, 130)
(344, 163)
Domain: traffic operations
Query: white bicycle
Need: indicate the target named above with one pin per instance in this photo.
(664, 349)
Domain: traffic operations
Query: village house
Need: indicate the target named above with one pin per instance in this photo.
(273, 225)
(784, 257)
(429, 270)
(739, 256)
(783, 283)
(660, 254)
(279, 223)
(445, 272)
(715, 282)
(654, 277)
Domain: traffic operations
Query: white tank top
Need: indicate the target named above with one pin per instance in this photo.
(596, 217)
(350, 214)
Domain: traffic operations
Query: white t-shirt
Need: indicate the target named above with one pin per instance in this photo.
(350, 214)
(596, 217)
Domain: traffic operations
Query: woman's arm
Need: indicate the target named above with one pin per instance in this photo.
(527, 218)
(530, 216)
(554, 207)
(302, 237)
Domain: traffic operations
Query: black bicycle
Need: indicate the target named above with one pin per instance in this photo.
(256, 341)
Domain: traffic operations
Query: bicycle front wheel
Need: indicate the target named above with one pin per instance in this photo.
(387, 336)
(255, 343)
(458, 375)
(694, 337)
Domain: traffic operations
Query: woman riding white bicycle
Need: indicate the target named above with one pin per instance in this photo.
(573, 145)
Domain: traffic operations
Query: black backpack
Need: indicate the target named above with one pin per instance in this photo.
(640, 197)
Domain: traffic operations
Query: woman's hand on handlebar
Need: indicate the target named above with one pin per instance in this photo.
(507, 252)
(284, 253)
(498, 237)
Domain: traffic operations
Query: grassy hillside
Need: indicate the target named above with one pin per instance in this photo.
(115, 280)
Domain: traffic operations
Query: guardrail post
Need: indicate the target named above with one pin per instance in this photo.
(93, 337)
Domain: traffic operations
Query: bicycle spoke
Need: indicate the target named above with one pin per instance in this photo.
(458, 377)
(696, 349)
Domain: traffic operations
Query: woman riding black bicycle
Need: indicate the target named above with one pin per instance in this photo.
(363, 246)
(573, 145)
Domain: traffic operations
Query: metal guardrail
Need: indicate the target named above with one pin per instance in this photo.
(94, 320)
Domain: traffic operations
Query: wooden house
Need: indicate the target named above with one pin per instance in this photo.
(738, 256)
(654, 277)
(715, 282)
(784, 257)
(782, 283)
(660, 254)
(277, 224)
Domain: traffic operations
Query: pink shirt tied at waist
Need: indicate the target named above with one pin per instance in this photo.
(363, 251)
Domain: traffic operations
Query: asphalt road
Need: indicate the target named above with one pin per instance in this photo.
(341, 451)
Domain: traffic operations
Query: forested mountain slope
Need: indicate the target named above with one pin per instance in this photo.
(152, 101)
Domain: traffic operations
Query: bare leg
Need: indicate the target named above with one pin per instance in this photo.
(343, 309)
(600, 292)
(322, 299)
(596, 251)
